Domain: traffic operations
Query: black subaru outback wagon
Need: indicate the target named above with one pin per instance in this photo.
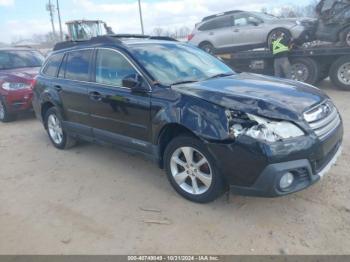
(210, 128)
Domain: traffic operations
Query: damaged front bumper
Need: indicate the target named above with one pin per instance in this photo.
(253, 168)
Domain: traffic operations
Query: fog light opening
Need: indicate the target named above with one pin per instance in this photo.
(286, 181)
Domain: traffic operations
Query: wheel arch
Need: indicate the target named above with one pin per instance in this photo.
(199, 119)
(168, 132)
(201, 44)
(277, 28)
(44, 107)
(205, 42)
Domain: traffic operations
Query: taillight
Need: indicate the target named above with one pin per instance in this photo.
(32, 83)
(190, 36)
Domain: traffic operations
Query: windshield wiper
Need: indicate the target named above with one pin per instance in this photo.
(184, 82)
(220, 75)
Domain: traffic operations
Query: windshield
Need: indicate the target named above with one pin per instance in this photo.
(171, 63)
(20, 59)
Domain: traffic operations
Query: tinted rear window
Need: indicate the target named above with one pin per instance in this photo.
(217, 23)
(52, 65)
(77, 65)
(20, 59)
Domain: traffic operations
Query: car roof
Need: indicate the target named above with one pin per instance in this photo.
(221, 14)
(111, 40)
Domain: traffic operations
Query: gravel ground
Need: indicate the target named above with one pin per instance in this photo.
(95, 200)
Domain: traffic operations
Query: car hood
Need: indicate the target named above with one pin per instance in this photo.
(24, 74)
(257, 94)
(291, 21)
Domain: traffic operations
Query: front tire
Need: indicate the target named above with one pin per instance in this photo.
(273, 35)
(345, 37)
(191, 170)
(5, 115)
(340, 73)
(305, 70)
(58, 136)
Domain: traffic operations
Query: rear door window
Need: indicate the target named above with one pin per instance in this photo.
(77, 65)
(52, 65)
(243, 19)
(217, 23)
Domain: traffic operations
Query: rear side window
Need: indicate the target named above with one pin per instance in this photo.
(77, 65)
(112, 68)
(217, 23)
(52, 65)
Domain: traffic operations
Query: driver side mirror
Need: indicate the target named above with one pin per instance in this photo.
(134, 82)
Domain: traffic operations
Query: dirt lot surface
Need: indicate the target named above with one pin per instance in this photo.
(94, 200)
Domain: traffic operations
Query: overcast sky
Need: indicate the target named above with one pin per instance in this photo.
(26, 17)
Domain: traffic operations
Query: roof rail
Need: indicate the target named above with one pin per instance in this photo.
(130, 36)
(221, 14)
(107, 39)
(166, 38)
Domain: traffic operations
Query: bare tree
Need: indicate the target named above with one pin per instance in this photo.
(292, 11)
(177, 33)
(184, 32)
(158, 31)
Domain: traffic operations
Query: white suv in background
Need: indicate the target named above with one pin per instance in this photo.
(241, 30)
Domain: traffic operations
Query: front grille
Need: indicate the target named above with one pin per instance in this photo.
(323, 119)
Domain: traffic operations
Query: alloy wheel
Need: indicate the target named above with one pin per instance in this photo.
(300, 72)
(347, 39)
(344, 73)
(191, 170)
(55, 129)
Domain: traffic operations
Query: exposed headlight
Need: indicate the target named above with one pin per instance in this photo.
(261, 128)
(298, 22)
(15, 86)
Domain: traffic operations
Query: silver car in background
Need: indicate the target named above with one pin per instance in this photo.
(240, 30)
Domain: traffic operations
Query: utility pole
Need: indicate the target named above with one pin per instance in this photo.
(141, 20)
(50, 7)
(59, 20)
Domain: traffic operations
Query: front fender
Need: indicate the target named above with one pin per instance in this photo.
(206, 120)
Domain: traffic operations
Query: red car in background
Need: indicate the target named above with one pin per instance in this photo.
(18, 68)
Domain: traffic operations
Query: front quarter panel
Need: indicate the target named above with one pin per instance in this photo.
(206, 120)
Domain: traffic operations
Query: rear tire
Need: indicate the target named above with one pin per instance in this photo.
(305, 70)
(207, 47)
(192, 170)
(5, 116)
(340, 73)
(345, 37)
(58, 136)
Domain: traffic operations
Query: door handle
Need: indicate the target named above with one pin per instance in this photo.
(211, 33)
(58, 88)
(236, 30)
(96, 96)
